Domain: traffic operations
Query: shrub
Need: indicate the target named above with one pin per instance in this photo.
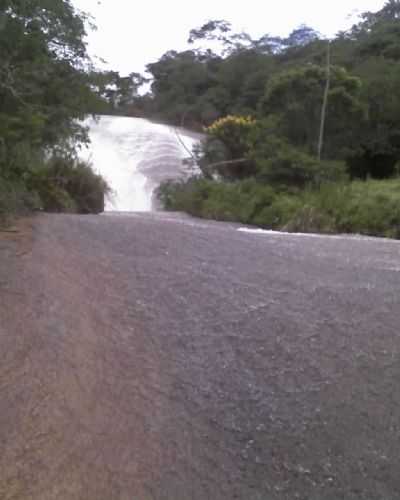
(279, 213)
(233, 132)
(236, 201)
(376, 165)
(187, 196)
(289, 167)
(68, 185)
(225, 150)
(370, 208)
(15, 199)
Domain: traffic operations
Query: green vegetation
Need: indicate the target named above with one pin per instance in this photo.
(370, 208)
(47, 85)
(271, 156)
(268, 157)
(68, 185)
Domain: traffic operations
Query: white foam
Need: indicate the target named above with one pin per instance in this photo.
(131, 153)
(270, 232)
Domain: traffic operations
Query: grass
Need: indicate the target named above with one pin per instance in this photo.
(365, 207)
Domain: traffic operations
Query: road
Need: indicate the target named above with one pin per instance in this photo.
(155, 356)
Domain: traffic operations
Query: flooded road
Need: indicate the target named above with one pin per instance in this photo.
(134, 156)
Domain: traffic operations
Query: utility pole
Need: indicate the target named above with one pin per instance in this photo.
(325, 101)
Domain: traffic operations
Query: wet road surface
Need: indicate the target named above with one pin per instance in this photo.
(154, 356)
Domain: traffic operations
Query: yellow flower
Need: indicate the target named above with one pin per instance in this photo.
(225, 124)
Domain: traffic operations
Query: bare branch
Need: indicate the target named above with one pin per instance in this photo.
(226, 162)
(206, 169)
(190, 153)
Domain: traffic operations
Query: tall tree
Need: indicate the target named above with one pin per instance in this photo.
(295, 97)
(44, 79)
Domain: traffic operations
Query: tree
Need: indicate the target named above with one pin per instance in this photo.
(243, 76)
(301, 36)
(181, 83)
(295, 97)
(220, 32)
(118, 92)
(325, 102)
(46, 87)
(225, 150)
(286, 78)
(216, 29)
(378, 148)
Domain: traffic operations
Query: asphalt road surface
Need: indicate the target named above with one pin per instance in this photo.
(154, 356)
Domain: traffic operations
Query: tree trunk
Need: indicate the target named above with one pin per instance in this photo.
(325, 102)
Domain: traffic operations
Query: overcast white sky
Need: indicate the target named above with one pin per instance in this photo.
(132, 33)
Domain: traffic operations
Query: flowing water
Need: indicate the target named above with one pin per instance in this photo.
(134, 156)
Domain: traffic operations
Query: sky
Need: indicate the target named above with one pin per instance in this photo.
(131, 34)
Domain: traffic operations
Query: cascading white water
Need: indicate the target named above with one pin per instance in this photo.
(135, 156)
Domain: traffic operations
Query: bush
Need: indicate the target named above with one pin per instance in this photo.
(68, 185)
(289, 167)
(186, 196)
(236, 201)
(370, 208)
(233, 132)
(280, 164)
(15, 199)
(224, 151)
(279, 213)
(378, 165)
(237, 148)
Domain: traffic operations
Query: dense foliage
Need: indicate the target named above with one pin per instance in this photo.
(288, 122)
(284, 79)
(46, 87)
(289, 116)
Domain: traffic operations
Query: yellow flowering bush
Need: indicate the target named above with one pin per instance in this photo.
(233, 131)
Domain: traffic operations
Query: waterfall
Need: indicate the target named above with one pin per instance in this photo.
(134, 156)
